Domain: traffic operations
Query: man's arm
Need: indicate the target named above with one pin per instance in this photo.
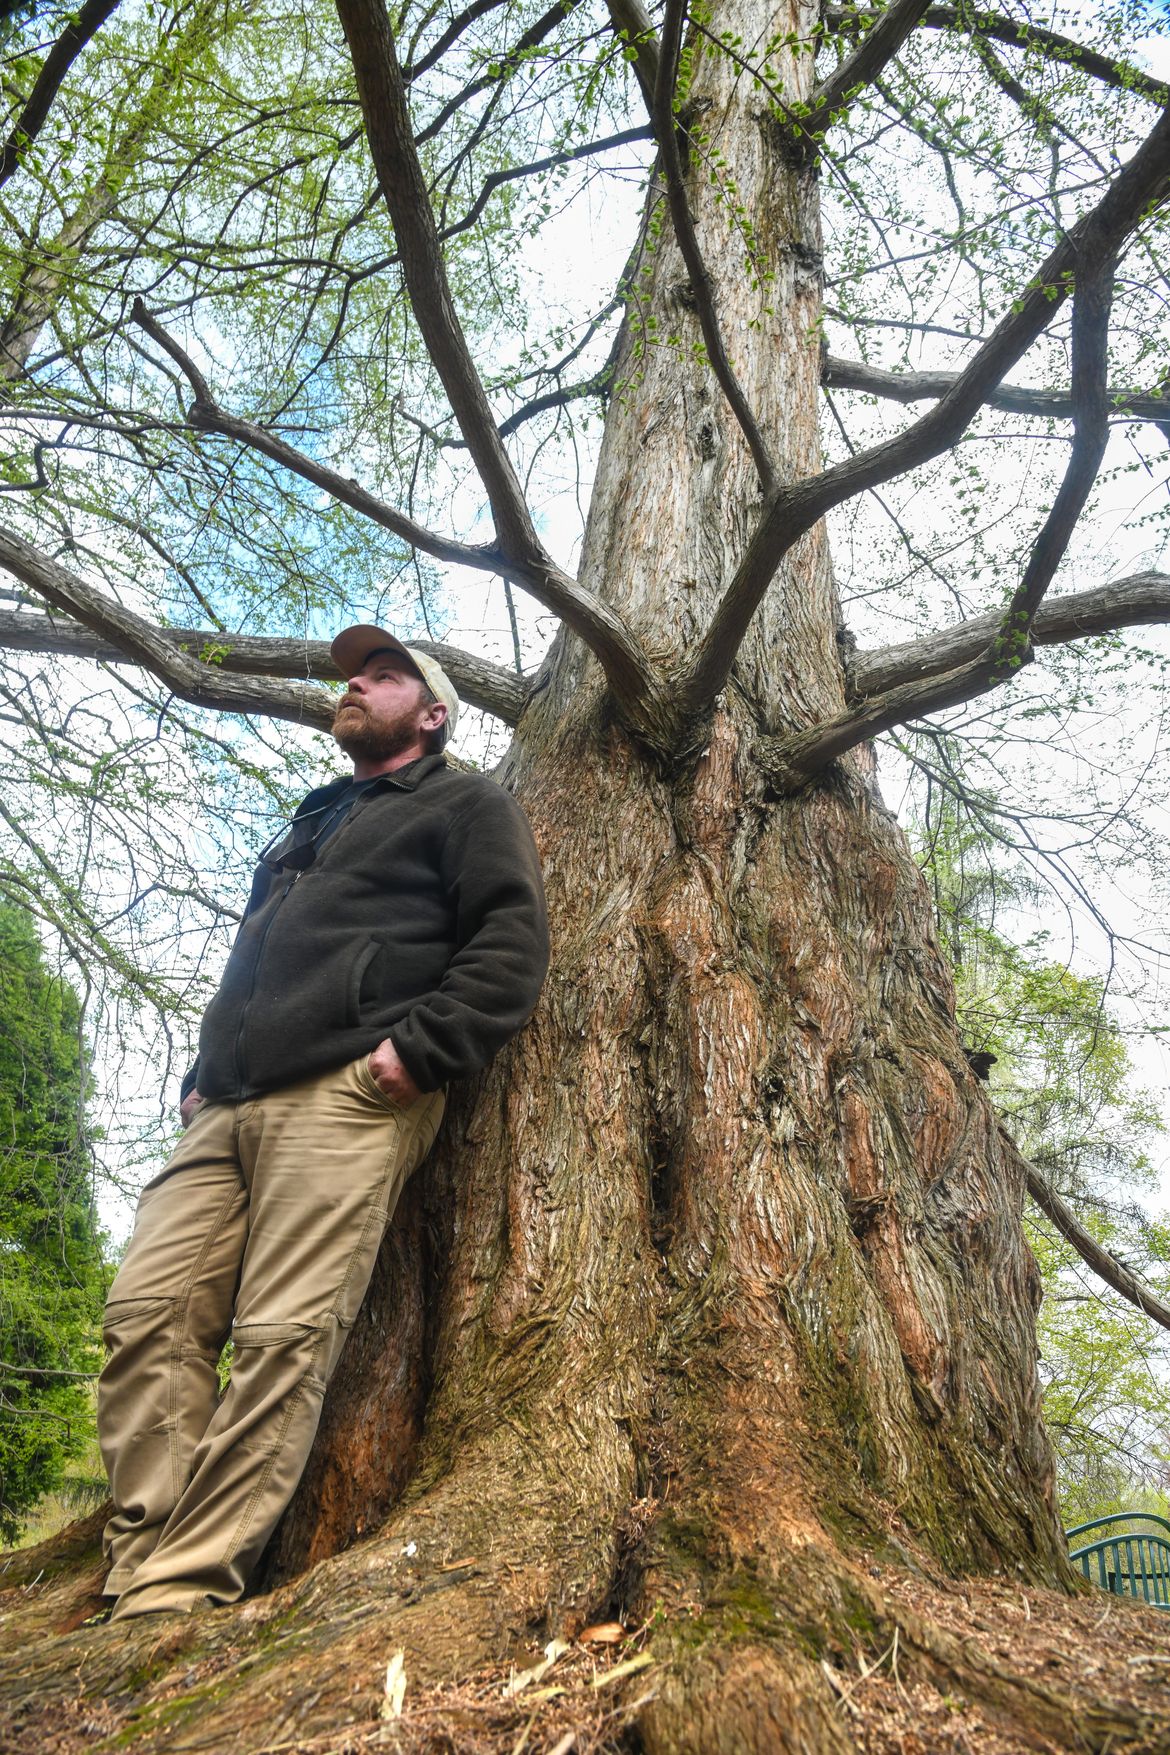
(491, 870)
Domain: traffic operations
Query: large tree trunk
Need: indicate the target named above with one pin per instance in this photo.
(714, 1299)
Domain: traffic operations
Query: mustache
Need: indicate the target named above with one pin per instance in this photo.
(349, 701)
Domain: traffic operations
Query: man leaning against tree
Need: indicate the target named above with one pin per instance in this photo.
(394, 940)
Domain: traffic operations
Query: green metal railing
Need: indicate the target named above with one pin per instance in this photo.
(1130, 1563)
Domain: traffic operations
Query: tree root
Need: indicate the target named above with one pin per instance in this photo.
(981, 1667)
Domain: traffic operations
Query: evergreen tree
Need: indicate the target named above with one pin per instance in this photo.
(50, 1259)
(1065, 1084)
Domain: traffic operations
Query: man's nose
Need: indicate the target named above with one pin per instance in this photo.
(356, 686)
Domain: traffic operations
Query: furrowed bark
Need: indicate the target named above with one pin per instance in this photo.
(667, 130)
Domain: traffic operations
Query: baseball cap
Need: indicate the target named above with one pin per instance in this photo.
(353, 646)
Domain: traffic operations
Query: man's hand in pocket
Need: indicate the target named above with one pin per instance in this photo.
(390, 1074)
(191, 1102)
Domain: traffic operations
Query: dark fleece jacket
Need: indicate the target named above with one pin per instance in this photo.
(421, 919)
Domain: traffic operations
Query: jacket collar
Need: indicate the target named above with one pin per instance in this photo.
(403, 779)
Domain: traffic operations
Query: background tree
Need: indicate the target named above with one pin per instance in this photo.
(724, 1319)
(51, 1279)
(1062, 1078)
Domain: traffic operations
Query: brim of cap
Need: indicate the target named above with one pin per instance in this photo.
(353, 646)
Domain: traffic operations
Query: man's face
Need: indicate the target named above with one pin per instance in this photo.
(382, 711)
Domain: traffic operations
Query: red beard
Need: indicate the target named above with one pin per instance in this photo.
(376, 736)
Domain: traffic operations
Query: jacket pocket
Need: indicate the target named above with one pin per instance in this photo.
(353, 987)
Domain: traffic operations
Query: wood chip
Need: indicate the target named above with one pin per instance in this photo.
(620, 1671)
(604, 1633)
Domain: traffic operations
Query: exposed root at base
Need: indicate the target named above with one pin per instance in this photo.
(980, 1667)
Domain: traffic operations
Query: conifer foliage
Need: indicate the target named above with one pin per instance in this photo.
(50, 1260)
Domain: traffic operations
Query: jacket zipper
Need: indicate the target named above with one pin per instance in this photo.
(238, 1055)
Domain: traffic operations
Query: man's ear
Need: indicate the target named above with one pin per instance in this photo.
(434, 717)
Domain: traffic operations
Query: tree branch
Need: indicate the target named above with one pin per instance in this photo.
(792, 762)
(495, 179)
(480, 683)
(1092, 303)
(1140, 187)
(1139, 600)
(1122, 75)
(84, 24)
(602, 629)
(415, 69)
(206, 416)
(878, 46)
(1104, 1265)
(668, 131)
(841, 374)
(597, 385)
(632, 23)
(501, 69)
(140, 642)
(391, 139)
(383, 99)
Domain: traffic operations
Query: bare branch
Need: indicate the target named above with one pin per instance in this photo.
(1122, 75)
(667, 129)
(793, 762)
(478, 8)
(1092, 303)
(206, 416)
(391, 138)
(597, 385)
(841, 374)
(140, 642)
(1139, 600)
(480, 683)
(84, 24)
(501, 69)
(1105, 1266)
(495, 179)
(602, 629)
(1140, 188)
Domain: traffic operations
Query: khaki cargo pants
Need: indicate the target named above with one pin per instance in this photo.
(265, 1226)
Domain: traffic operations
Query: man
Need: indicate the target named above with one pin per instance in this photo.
(395, 939)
